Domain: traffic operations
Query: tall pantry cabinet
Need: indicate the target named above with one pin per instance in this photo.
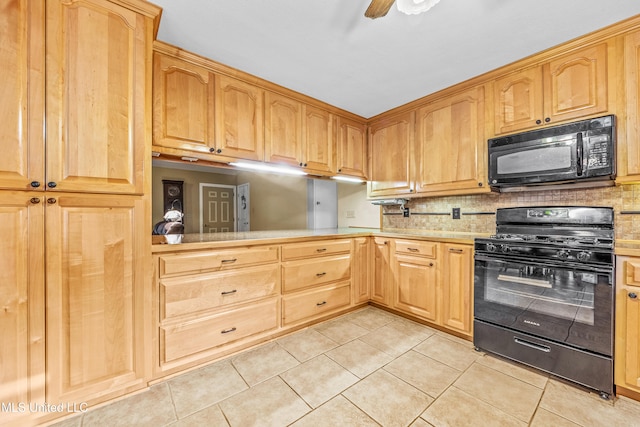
(74, 189)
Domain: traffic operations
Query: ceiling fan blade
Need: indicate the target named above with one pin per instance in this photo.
(378, 8)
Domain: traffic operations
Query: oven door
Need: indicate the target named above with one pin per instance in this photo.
(535, 161)
(566, 303)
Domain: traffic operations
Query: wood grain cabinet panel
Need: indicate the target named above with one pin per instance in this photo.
(95, 295)
(568, 87)
(96, 73)
(315, 248)
(239, 119)
(314, 303)
(457, 287)
(319, 149)
(416, 286)
(628, 154)
(451, 145)
(183, 105)
(311, 272)
(391, 156)
(283, 130)
(381, 280)
(352, 148)
(627, 336)
(361, 269)
(22, 324)
(417, 248)
(22, 102)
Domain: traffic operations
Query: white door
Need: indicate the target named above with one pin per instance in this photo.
(322, 204)
(244, 207)
(217, 208)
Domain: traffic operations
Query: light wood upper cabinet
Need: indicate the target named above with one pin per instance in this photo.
(22, 101)
(391, 156)
(319, 150)
(282, 130)
(352, 148)
(239, 119)
(628, 156)
(183, 105)
(96, 303)
(568, 87)
(22, 340)
(451, 145)
(96, 72)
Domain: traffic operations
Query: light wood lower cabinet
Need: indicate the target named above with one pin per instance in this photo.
(361, 269)
(381, 277)
(301, 306)
(627, 336)
(433, 281)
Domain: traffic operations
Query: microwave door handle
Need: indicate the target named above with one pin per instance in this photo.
(580, 154)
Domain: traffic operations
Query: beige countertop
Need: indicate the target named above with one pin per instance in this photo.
(169, 243)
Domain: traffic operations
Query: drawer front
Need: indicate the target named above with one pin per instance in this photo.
(191, 337)
(185, 295)
(306, 305)
(416, 247)
(316, 271)
(199, 262)
(311, 249)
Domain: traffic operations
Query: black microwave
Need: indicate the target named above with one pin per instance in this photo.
(573, 152)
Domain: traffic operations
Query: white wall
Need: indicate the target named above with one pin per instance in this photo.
(354, 210)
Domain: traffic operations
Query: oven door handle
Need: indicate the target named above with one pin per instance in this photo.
(564, 265)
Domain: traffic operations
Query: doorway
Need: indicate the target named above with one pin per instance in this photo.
(244, 207)
(217, 208)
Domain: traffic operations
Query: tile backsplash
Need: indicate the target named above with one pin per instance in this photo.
(478, 211)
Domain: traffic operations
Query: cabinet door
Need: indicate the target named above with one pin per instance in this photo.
(352, 148)
(22, 326)
(450, 145)
(576, 84)
(416, 286)
(457, 284)
(282, 130)
(518, 100)
(96, 71)
(96, 296)
(361, 269)
(183, 101)
(629, 152)
(381, 279)
(390, 145)
(22, 88)
(239, 127)
(627, 338)
(319, 140)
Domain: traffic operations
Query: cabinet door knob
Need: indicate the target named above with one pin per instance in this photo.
(52, 184)
(480, 184)
(538, 122)
(633, 295)
(35, 184)
(51, 201)
(300, 163)
(339, 170)
(212, 150)
(430, 264)
(35, 200)
(219, 150)
(547, 119)
(305, 165)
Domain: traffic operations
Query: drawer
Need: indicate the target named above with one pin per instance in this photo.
(187, 338)
(416, 247)
(198, 262)
(317, 248)
(191, 294)
(631, 272)
(315, 271)
(306, 305)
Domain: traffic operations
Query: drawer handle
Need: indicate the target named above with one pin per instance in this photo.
(320, 274)
(633, 295)
(321, 249)
(533, 345)
(413, 249)
(229, 261)
(229, 292)
(457, 251)
(227, 331)
(320, 304)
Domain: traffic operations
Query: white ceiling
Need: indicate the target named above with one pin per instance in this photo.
(327, 49)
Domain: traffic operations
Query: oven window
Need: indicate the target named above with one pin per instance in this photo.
(550, 291)
(553, 157)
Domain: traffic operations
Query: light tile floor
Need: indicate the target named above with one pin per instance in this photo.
(366, 368)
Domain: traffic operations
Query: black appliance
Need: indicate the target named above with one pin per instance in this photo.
(543, 291)
(579, 151)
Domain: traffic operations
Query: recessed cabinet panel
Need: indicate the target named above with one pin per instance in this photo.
(417, 286)
(319, 141)
(315, 271)
(352, 148)
(95, 102)
(518, 100)
(457, 282)
(627, 338)
(283, 129)
(183, 111)
(628, 154)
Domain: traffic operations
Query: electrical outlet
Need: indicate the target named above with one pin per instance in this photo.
(456, 213)
(350, 214)
(405, 212)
